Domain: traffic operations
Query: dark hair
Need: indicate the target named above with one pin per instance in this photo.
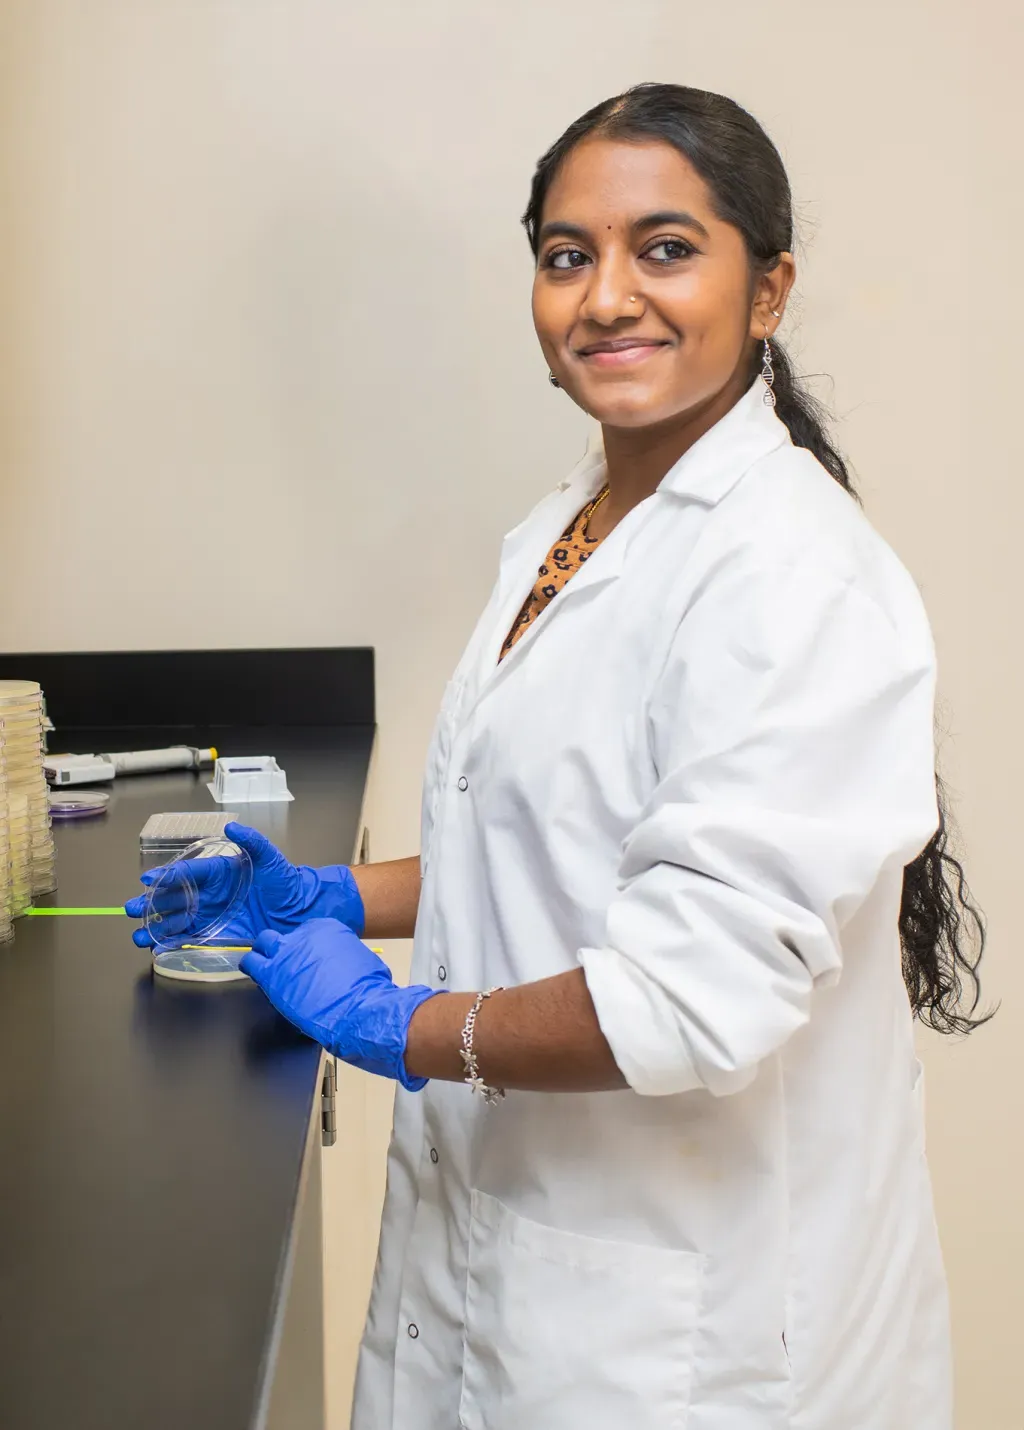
(942, 932)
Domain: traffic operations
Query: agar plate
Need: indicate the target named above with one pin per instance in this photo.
(84, 805)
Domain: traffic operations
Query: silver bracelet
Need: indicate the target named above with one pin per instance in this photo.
(491, 1095)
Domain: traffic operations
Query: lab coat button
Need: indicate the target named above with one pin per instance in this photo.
(414, 1330)
(433, 1155)
(442, 973)
(463, 783)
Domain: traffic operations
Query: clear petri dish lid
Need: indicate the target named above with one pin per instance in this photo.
(177, 909)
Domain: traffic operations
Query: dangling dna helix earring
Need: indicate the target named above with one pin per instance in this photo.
(767, 372)
(553, 380)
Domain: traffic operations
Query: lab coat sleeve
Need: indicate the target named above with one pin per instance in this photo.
(792, 737)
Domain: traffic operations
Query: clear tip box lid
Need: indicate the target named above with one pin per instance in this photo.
(171, 833)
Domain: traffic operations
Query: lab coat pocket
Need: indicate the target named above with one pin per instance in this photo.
(566, 1331)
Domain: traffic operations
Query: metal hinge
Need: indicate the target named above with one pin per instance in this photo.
(328, 1125)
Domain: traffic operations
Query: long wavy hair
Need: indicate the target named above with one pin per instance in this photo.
(942, 932)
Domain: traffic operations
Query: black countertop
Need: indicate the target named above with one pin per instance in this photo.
(152, 1134)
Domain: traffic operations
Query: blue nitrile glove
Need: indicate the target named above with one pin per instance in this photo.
(282, 894)
(325, 980)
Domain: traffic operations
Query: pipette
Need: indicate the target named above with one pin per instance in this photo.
(100, 769)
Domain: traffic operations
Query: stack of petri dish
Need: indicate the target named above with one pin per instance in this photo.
(6, 921)
(31, 859)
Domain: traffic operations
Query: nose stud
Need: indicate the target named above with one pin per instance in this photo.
(632, 300)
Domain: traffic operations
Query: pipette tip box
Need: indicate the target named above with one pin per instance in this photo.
(249, 779)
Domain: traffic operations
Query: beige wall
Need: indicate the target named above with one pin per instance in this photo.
(268, 377)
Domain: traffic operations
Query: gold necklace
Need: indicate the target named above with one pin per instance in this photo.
(592, 508)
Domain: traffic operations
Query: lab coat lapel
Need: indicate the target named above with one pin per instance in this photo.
(604, 566)
(524, 548)
(522, 554)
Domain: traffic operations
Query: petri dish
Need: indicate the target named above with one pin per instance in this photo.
(87, 804)
(195, 965)
(185, 937)
(22, 753)
(20, 692)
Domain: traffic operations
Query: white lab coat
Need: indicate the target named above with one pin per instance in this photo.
(699, 775)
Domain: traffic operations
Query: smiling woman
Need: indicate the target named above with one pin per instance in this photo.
(679, 826)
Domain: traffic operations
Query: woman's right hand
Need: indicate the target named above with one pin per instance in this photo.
(283, 895)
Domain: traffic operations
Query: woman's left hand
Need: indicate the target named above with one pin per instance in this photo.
(326, 981)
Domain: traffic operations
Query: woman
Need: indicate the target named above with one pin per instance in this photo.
(681, 809)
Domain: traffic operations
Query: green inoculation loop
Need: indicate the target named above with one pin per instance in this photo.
(72, 913)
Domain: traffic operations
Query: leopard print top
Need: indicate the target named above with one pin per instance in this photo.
(564, 559)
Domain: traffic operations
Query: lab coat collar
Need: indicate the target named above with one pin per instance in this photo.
(705, 473)
(569, 497)
(715, 463)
